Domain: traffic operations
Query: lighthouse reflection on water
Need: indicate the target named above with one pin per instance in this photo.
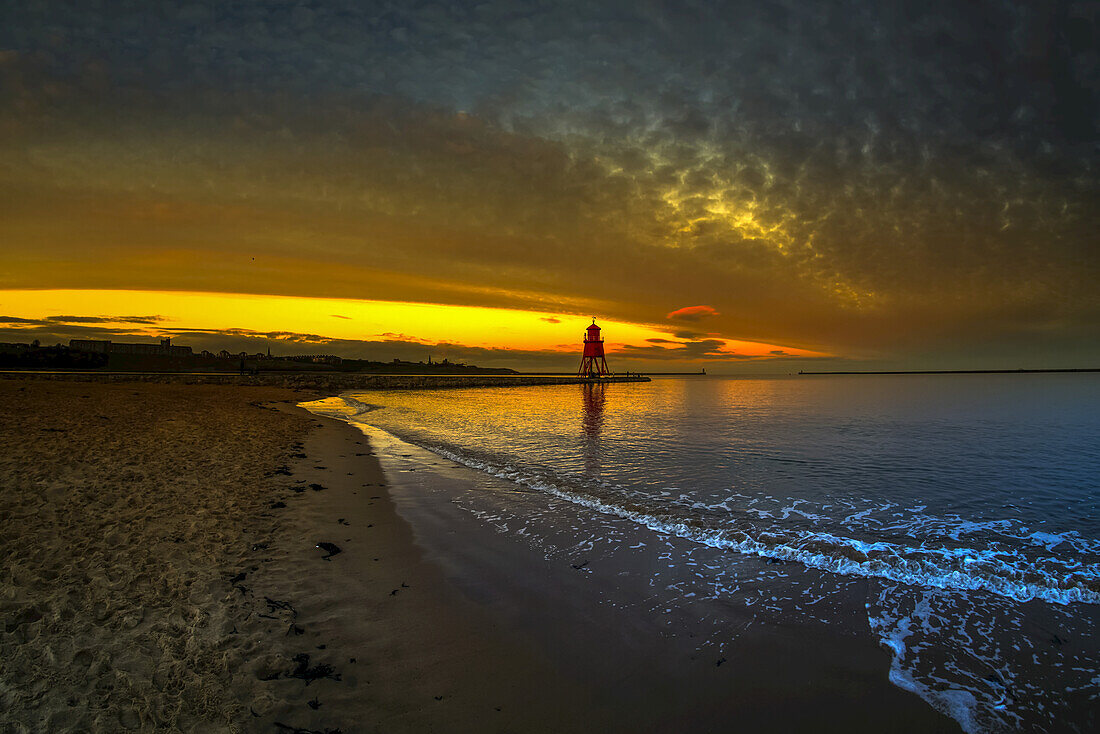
(592, 424)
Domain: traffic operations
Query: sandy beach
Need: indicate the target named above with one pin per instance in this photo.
(213, 558)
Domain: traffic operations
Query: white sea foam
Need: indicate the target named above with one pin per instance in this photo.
(1000, 571)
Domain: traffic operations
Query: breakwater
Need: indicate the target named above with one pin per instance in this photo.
(320, 381)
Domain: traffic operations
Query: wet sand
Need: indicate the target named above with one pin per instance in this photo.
(162, 572)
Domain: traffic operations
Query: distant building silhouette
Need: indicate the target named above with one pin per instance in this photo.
(105, 346)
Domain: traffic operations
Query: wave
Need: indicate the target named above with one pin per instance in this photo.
(343, 408)
(959, 569)
(359, 406)
(1003, 571)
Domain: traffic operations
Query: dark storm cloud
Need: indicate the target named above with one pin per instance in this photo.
(902, 177)
(286, 343)
(55, 320)
(708, 349)
(105, 319)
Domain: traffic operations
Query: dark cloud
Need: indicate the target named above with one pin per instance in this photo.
(888, 178)
(105, 319)
(390, 346)
(338, 316)
(704, 349)
(549, 319)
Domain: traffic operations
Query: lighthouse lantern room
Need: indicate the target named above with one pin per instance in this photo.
(593, 363)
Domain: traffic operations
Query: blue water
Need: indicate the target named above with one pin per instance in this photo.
(968, 501)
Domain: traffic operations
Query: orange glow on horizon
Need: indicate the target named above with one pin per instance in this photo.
(349, 319)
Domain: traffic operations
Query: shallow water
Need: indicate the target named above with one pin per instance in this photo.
(965, 505)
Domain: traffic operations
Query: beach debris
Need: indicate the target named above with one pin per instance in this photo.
(303, 671)
(321, 647)
(274, 605)
(719, 663)
(438, 698)
(343, 521)
(331, 548)
(394, 592)
(259, 546)
(238, 578)
(317, 487)
(278, 505)
(579, 566)
(284, 470)
(300, 730)
(404, 585)
(314, 704)
(297, 456)
(295, 629)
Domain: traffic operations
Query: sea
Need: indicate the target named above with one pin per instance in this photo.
(962, 511)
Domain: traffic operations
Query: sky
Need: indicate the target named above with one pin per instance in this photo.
(742, 186)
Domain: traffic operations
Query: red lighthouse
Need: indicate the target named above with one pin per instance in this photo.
(593, 363)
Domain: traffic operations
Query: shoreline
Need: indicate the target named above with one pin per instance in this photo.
(593, 625)
(188, 583)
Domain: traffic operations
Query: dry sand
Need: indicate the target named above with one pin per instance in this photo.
(125, 511)
(162, 572)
